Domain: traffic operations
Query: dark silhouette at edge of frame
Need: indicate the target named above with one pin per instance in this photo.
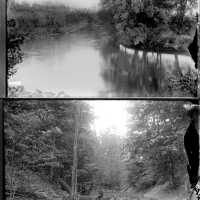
(191, 144)
(193, 48)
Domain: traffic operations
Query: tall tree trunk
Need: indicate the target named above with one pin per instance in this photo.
(75, 156)
(181, 14)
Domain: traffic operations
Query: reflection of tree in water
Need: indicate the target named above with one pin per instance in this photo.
(140, 73)
(136, 74)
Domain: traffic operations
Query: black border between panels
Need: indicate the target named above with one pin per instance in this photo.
(3, 49)
(192, 99)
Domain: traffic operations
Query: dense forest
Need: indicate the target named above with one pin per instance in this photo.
(151, 23)
(42, 139)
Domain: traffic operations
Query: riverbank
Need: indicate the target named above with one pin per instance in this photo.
(44, 21)
(45, 33)
(170, 42)
(41, 21)
(63, 59)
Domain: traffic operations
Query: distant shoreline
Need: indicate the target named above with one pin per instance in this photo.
(161, 50)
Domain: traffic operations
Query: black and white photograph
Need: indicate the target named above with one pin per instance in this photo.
(99, 99)
(101, 150)
(102, 48)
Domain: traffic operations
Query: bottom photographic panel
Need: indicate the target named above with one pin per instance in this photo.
(101, 150)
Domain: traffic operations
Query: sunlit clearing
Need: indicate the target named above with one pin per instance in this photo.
(110, 117)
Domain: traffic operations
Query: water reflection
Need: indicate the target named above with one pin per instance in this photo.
(133, 73)
(90, 64)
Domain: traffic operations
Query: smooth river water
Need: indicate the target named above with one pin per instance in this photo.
(89, 63)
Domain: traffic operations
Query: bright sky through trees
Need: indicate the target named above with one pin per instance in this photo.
(110, 115)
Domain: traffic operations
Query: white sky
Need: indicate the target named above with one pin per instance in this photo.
(77, 3)
(110, 115)
(73, 3)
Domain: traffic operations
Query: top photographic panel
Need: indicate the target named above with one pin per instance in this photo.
(102, 48)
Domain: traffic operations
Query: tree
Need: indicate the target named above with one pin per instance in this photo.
(14, 43)
(110, 161)
(39, 138)
(155, 143)
(142, 23)
(182, 7)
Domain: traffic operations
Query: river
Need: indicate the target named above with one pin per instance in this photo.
(89, 63)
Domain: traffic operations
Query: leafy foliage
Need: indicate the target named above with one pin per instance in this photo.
(109, 160)
(14, 43)
(155, 143)
(39, 137)
(39, 142)
(52, 18)
(143, 23)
